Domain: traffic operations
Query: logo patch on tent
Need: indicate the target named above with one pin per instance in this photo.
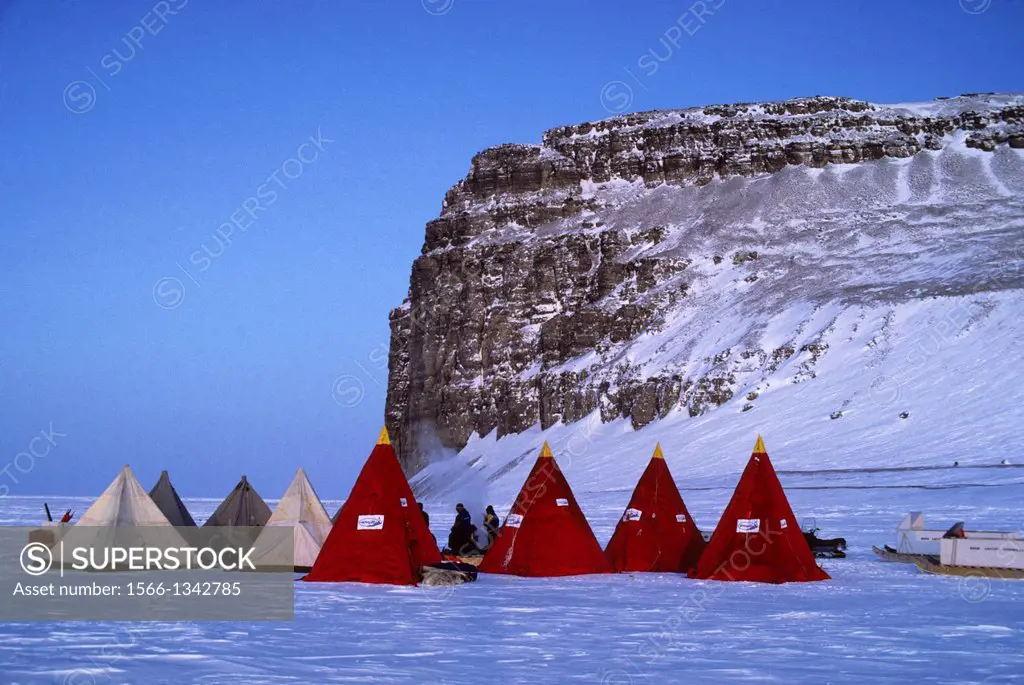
(514, 520)
(370, 522)
(632, 515)
(681, 518)
(404, 502)
(782, 523)
(562, 502)
(748, 525)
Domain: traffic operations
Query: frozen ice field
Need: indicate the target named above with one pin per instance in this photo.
(874, 622)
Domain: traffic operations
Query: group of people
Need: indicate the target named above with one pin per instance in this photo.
(462, 539)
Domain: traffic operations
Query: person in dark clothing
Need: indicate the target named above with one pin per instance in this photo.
(426, 516)
(460, 539)
(426, 520)
(491, 524)
(462, 515)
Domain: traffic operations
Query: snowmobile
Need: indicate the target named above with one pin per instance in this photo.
(825, 548)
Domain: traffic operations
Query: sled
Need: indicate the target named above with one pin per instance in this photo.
(52, 530)
(471, 560)
(929, 566)
(912, 538)
(973, 552)
(447, 573)
(890, 554)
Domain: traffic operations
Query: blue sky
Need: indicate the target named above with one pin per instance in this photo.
(132, 132)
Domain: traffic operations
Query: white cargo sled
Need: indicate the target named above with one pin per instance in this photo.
(914, 543)
(52, 531)
(1001, 557)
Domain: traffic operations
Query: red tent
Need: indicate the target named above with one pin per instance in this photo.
(546, 533)
(379, 535)
(758, 537)
(656, 532)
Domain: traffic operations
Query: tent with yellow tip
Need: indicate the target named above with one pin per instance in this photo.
(379, 535)
(545, 533)
(656, 532)
(758, 537)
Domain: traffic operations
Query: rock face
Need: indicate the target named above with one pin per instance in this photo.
(640, 265)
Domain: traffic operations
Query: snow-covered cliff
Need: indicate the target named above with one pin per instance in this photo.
(812, 269)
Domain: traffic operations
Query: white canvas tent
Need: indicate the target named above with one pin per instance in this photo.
(124, 503)
(110, 521)
(302, 510)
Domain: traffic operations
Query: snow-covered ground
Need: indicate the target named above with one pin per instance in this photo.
(946, 362)
(874, 622)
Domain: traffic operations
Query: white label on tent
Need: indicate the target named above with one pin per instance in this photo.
(632, 515)
(681, 518)
(562, 502)
(782, 523)
(370, 522)
(513, 520)
(748, 525)
(404, 502)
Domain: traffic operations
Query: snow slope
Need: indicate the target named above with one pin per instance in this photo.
(948, 363)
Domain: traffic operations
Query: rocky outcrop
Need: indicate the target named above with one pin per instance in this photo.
(559, 278)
